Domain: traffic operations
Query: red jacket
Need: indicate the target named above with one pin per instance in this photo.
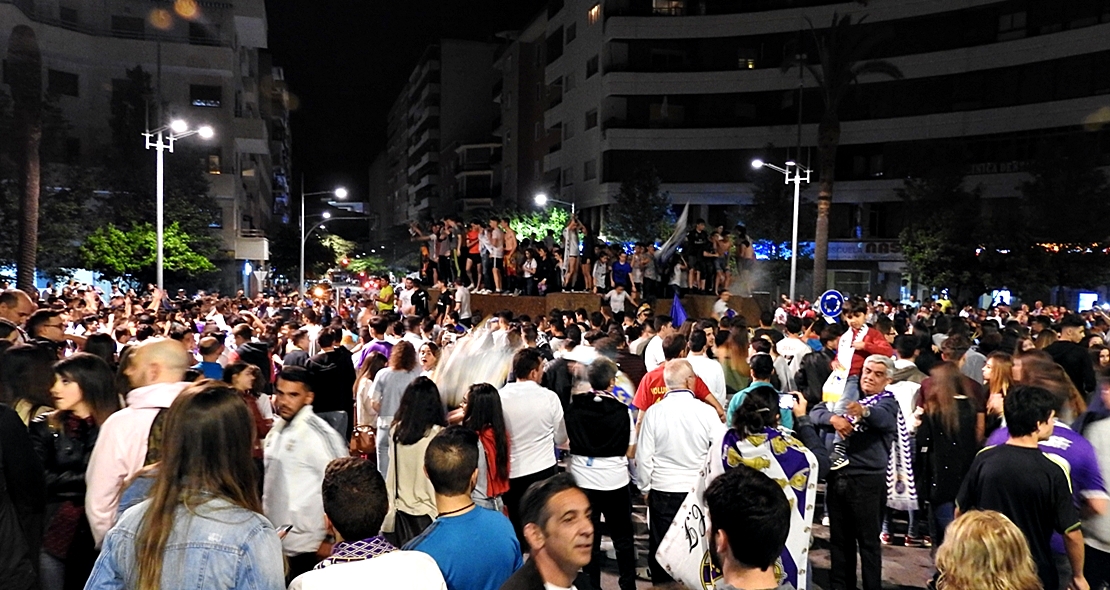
(874, 343)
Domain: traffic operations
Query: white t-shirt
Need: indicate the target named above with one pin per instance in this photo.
(405, 297)
(462, 298)
(653, 353)
(617, 300)
(603, 473)
(720, 309)
(411, 570)
(534, 421)
(711, 373)
(497, 243)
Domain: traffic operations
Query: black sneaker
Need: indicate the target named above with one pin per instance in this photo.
(838, 462)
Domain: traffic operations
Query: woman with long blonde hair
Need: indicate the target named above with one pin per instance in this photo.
(202, 526)
(984, 550)
(998, 376)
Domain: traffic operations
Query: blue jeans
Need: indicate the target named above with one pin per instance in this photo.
(851, 394)
(943, 515)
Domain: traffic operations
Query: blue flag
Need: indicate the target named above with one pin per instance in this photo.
(678, 313)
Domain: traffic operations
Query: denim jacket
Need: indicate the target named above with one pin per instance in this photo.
(215, 546)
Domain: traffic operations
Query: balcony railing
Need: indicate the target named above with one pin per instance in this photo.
(41, 14)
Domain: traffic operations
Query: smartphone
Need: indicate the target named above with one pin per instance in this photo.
(786, 401)
(284, 530)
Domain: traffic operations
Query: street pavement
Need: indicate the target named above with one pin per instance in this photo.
(903, 568)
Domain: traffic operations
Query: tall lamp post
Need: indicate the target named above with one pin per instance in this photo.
(797, 174)
(340, 193)
(161, 140)
(305, 234)
(542, 200)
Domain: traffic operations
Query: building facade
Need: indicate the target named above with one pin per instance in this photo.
(209, 61)
(697, 89)
(445, 103)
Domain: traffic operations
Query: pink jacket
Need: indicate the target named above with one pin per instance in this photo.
(120, 452)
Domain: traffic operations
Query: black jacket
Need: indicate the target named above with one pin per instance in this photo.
(1077, 363)
(333, 380)
(21, 503)
(64, 456)
(529, 578)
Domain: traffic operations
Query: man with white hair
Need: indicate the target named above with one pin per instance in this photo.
(674, 441)
(858, 491)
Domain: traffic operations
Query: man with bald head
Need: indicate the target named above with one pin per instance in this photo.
(675, 436)
(15, 308)
(129, 439)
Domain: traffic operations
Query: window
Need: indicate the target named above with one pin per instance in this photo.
(203, 34)
(61, 83)
(589, 170)
(568, 130)
(591, 66)
(746, 59)
(594, 14)
(539, 92)
(217, 221)
(212, 161)
(539, 56)
(568, 82)
(572, 32)
(539, 130)
(201, 95)
(568, 176)
(67, 15)
(1011, 26)
(591, 119)
(668, 7)
(131, 27)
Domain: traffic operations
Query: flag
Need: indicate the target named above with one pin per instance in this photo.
(678, 313)
(671, 245)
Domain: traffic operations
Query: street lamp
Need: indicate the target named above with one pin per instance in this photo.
(800, 175)
(318, 225)
(340, 193)
(542, 200)
(162, 140)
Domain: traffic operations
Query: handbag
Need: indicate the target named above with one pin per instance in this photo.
(364, 442)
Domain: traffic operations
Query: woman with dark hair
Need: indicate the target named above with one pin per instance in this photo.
(947, 442)
(247, 380)
(202, 526)
(412, 500)
(84, 393)
(389, 385)
(482, 414)
(103, 346)
(26, 375)
(755, 438)
(429, 357)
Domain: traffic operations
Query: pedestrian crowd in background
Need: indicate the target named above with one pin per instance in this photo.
(403, 439)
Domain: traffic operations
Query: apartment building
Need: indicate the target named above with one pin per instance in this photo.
(214, 69)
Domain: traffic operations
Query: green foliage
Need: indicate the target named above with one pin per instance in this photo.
(641, 212)
(368, 264)
(538, 223)
(339, 247)
(943, 239)
(132, 254)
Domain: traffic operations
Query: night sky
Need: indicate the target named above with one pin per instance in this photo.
(346, 60)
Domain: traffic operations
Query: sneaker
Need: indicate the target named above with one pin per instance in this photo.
(838, 462)
(885, 539)
(825, 520)
(915, 542)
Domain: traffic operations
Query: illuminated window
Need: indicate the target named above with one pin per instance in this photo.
(594, 14)
(201, 95)
(668, 7)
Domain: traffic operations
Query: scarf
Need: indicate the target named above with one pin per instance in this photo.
(345, 552)
(901, 491)
(496, 483)
(790, 464)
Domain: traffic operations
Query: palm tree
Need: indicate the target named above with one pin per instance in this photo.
(25, 65)
(841, 50)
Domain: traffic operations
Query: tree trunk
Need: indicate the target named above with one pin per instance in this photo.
(828, 138)
(25, 69)
(31, 135)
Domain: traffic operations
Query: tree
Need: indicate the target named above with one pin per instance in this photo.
(641, 212)
(943, 242)
(285, 253)
(368, 264)
(538, 223)
(131, 254)
(841, 50)
(129, 171)
(24, 64)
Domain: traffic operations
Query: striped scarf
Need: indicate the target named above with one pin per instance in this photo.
(901, 491)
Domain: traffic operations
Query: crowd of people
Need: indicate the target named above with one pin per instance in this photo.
(400, 439)
(489, 257)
